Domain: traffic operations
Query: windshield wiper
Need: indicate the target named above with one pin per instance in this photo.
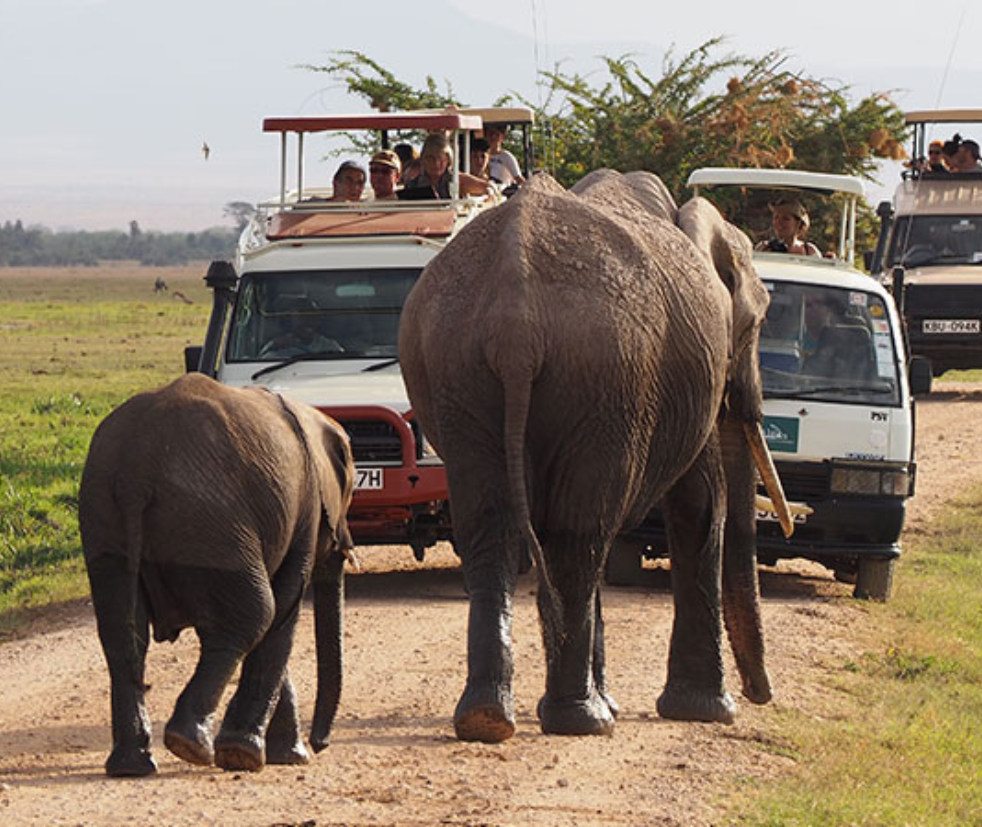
(381, 365)
(880, 389)
(301, 357)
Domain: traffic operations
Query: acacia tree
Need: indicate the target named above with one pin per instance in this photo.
(703, 110)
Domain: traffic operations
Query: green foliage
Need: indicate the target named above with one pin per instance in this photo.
(368, 79)
(703, 109)
(39, 247)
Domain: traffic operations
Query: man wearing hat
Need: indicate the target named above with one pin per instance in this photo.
(791, 223)
(383, 171)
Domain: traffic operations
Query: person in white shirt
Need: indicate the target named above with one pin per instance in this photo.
(502, 165)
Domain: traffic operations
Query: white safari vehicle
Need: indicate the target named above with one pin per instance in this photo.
(931, 246)
(310, 308)
(838, 411)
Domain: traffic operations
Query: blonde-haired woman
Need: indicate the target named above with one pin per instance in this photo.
(436, 158)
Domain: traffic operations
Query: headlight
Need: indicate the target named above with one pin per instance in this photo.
(425, 452)
(864, 480)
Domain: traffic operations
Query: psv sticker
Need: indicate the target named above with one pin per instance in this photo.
(781, 433)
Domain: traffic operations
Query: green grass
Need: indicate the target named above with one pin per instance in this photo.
(906, 746)
(961, 376)
(73, 346)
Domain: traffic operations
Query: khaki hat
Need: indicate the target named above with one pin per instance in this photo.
(387, 158)
(793, 208)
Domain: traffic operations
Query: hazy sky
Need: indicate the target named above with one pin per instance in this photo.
(104, 104)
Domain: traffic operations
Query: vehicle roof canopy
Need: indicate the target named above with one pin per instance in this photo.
(430, 121)
(777, 179)
(944, 116)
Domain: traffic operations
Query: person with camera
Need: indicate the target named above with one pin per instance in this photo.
(790, 224)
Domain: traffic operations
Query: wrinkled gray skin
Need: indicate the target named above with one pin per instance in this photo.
(212, 507)
(568, 354)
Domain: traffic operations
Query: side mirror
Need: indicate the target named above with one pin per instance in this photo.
(192, 358)
(920, 375)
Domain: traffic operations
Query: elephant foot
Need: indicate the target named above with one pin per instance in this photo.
(487, 716)
(688, 704)
(130, 762)
(241, 754)
(286, 752)
(190, 743)
(590, 716)
(757, 688)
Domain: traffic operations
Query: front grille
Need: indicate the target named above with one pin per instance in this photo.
(373, 440)
(932, 301)
(807, 482)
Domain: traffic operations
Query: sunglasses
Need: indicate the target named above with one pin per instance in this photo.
(934, 152)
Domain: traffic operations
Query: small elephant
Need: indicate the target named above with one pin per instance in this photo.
(577, 358)
(213, 507)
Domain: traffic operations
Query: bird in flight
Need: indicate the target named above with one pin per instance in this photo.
(205, 150)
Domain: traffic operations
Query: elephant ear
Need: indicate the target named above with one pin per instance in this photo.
(731, 254)
(333, 469)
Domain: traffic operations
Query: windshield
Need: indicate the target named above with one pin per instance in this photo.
(826, 343)
(336, 314)
(922, 240)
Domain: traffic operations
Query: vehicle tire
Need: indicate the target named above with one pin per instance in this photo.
(624, 563)
(921, 375)
(874, 580)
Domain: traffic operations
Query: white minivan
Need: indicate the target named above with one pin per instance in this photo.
(838, 409)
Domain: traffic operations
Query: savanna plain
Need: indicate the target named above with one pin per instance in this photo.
(877, 706)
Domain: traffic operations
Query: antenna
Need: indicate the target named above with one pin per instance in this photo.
(546, 126)
(921, 134)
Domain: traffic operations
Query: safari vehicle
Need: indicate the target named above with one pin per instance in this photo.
(310, 308)
(933, 231)
(838, 412)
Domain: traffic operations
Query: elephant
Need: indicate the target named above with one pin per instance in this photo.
(213, 507)
(576, 358)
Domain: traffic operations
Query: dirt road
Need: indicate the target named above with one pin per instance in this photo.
(393, 757)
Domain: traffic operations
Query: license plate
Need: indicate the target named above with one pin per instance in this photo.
(771, 517)
(368, 479)
(951, 326)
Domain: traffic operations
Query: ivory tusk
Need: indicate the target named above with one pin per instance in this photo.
(768, 473)
(349, 555)
(765, 504)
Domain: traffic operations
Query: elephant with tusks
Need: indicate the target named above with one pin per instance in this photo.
(212, 507)
(576, 358)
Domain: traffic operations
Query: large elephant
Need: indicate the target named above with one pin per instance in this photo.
(213, 507)
(576, 358)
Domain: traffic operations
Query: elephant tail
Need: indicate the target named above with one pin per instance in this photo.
(518, 397)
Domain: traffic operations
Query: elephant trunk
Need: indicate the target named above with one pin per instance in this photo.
(328, 586)
(741, 596)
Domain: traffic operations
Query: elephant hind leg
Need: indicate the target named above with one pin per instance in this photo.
(264, 685)
(121, 615)
(228, 628)
(486, 709)
(575, 702)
